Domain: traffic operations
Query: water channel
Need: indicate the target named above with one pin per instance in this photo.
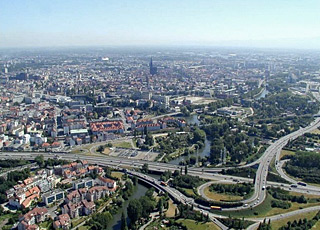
(203, 152)
(139, 191)
(263, 94)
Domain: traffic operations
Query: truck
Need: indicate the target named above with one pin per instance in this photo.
(164, 183)
(215, 208)
(302, 183)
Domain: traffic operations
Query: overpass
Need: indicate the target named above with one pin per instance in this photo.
(260, 180)
(176, 196)
(4, 174)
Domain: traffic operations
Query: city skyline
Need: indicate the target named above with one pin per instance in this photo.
(268, 24)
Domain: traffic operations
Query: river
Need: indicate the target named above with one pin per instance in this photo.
(139, 191)
(263, 94)
(203, 152)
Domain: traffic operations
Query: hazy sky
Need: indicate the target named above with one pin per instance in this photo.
(268, 23)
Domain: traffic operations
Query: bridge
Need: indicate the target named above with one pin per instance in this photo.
(176, 196)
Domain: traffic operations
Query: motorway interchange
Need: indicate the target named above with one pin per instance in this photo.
(273, 151)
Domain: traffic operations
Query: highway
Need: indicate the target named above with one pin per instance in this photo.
(177, 196)
(281, 216)
(260, 179)
(33, 165)
(265, 161)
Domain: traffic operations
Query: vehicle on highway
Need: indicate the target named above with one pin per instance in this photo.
(164, 183)
(293, 186)
(215, 208)
(302, 183)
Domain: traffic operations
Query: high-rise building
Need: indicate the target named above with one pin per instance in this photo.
(153, 69)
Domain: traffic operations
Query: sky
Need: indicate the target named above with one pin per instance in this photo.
(248, 23)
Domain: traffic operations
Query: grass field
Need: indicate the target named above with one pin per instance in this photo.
(189, 191)
(4, 217)
(306, 195)
(117, 174)
(83, 149)
(106, 151)
(77, 221)
(190, 224)
(220, 196)
(171, 209)
(316, 226)
(265, 209)
(316, 131)
(286, 152)
(88, 149)
(254, 157)
(124, 144)
(272, 166)
(46, 225)
(83, 228)
(279, 223)
(193, 225)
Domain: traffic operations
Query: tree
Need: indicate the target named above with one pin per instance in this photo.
(124, 225)
(147, 204)
(39, 160)
(100, 221)
(134, 210)
(185, 111)
(145, 168)
(135, 180)
(185, 169)
(149, 139)
(198, 135)
(160, 206)
(100, 149)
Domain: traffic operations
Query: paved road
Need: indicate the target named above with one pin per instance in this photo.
(177, 196)
(281, 216)
(260, 179)
(279, 168)
(160, 167)
(265, 161)
(20, 168)
(165, 115)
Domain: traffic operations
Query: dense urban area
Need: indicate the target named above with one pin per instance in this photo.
(164, 138)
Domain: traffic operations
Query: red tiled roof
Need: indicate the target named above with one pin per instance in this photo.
(106, 126)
